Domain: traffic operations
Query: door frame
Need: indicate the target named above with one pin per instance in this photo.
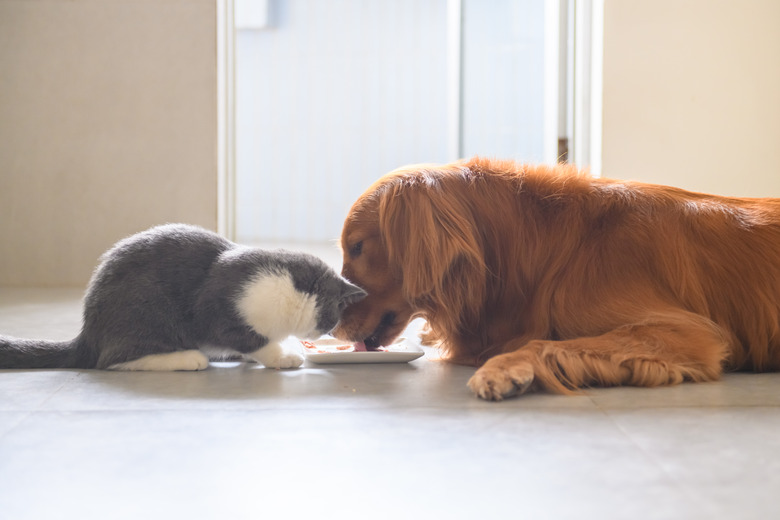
(226, 118)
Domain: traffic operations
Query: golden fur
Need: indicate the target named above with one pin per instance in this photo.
(548, 278)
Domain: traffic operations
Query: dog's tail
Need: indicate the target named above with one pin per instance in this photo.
(34, 353)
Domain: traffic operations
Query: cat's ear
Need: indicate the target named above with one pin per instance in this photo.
(351, 293)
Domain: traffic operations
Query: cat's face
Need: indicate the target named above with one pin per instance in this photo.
(334, 294)
(293, 294)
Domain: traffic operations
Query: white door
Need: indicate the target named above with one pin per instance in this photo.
(332, 94)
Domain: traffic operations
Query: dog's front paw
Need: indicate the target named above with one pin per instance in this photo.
(274, 356)
(496, 381)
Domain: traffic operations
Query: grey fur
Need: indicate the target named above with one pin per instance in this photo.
(173, 288)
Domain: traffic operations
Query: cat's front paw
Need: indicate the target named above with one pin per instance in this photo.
(274, 356)
(288, 360)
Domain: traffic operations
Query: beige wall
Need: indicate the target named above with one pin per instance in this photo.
(108, 118)
(692, 94)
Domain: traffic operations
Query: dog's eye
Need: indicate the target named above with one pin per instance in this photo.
(356, 249)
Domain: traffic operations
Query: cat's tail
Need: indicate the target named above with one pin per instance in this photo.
(34, 353)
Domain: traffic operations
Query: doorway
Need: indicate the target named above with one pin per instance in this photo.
(331, 95)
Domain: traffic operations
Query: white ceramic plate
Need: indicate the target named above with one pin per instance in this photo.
(331, 351)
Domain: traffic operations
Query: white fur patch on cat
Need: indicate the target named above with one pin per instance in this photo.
(181, 360)
(274, 355)
(272, 306)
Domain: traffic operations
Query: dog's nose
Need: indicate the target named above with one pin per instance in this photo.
(387, 319)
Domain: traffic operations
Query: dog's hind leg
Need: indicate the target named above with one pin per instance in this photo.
(663, 348)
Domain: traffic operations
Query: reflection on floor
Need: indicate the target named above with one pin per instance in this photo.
(368, 442)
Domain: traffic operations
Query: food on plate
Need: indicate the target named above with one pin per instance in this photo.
(331, 351)
(332, 345)
(326, 349)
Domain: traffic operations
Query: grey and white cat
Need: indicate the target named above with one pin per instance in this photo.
(167, 297)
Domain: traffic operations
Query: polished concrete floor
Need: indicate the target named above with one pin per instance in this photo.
(368, 442)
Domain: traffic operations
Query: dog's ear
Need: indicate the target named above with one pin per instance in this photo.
(429, 231)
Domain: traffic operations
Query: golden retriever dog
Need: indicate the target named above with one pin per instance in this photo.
(547, 278)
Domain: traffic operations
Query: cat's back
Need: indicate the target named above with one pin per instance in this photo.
(169, 245)
(174, 256)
